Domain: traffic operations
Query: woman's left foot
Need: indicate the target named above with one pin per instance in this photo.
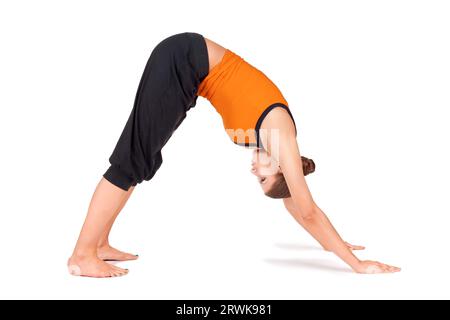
(108, 253)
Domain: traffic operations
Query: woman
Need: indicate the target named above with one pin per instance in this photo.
(254, 113)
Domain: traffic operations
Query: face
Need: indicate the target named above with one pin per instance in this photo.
(264, 168)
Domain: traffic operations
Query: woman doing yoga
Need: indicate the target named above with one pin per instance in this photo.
(255, 115)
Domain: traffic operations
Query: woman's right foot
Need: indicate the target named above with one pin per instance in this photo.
(92, 266)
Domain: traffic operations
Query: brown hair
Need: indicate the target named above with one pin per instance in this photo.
(280, 189)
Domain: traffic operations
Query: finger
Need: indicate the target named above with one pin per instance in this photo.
(354, 247)
(387, 267)
(383, 267)
(394, 269)
(391, 269)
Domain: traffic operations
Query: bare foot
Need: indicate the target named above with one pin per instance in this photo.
(92, 266)
(108, 253)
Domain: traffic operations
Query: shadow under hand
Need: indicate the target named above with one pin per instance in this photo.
(317, 264)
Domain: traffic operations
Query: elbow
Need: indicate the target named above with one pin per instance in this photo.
(309, 213)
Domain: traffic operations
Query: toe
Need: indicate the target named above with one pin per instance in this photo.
(121, 273)
(116, 268)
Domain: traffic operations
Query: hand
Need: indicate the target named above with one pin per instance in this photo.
(372, 267)
(354, 247)
(351, 247)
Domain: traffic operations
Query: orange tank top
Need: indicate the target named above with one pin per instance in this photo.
(243, 96)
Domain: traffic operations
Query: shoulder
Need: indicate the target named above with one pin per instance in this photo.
(279, 118)
(277, 127)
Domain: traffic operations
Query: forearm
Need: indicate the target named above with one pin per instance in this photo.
(300, 221)
(320, 228)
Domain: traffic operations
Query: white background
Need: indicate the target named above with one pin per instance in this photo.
(368, 84)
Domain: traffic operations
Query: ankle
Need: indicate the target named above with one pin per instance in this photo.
(103, 245)
(84, 253)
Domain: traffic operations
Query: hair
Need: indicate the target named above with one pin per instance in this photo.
(280, 189)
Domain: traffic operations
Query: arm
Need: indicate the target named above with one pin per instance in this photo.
(317, 224)
(288, 203)
(285, 150)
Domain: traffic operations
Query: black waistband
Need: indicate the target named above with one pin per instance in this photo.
(199, 54)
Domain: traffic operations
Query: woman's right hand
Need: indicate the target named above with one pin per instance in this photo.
(372, 267)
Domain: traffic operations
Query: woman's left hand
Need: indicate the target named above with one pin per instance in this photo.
(354, 247)
(351, 247)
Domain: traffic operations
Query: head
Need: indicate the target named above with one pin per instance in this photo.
(270, 176)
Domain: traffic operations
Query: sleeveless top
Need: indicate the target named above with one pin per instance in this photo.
(243, 96)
